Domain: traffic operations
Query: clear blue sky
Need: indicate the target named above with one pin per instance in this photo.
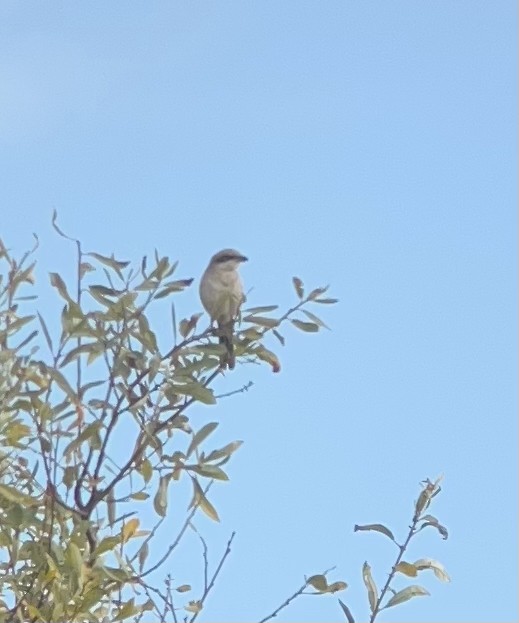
(369, 145)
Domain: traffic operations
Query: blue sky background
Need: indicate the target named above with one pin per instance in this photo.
(369, 145)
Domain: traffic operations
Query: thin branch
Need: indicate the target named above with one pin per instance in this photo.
(402, 549)
(287, 602)
(206, 561)
(300, 591)
(429, 492)
(245, 388)
(141, 446)
(205, 551)
(215, 575)
(185, 526)
(170, 597)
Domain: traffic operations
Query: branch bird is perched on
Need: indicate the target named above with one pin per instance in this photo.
(221, 293)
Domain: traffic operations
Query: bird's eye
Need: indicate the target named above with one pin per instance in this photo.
(225, 258)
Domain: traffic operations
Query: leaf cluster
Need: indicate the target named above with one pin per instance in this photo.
(71, 494)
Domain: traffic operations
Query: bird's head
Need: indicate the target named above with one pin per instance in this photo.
(227, 259)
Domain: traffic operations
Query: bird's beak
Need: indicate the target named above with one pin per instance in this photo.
(242, 258)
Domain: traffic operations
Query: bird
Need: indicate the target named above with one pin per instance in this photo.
(221, 293)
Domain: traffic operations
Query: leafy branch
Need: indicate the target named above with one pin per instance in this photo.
(72, 553)
(419, 521)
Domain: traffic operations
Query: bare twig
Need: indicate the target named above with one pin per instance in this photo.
(300, 591)
(170, 598)
(287, 602)
(215, 575)
(245, 388)
(206, 560)
(175, 543)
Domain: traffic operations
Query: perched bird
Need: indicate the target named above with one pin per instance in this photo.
(221, 293)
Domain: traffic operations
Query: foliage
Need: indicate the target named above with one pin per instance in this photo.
(72, 547)
(318, 584)
(419, 521)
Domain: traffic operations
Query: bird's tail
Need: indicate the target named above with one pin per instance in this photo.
(226, 332)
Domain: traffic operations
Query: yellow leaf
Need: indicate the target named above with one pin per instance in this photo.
(129, 529)
(407, 569)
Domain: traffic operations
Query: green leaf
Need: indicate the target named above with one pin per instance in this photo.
(202, 434)
(97, 293)
(370, 586)
(376, 527)
(13, 517)
(197, 391)
(309, 327)
(209, 471)
(335, 587)
(200, 500)
(85, 388)
(143, 555)
(187, 326)
(145, 335)
(13, 495)
(261, 310)
(78, 351)
(145, 469)
(424, 499)
(298, 286)
(318, 582)
(139, 496)
(429, 520)
(346, 610)
(251, 334)
(407, 569)
(88, 603)
(74, 557)
(46, 333)
(183, 588)
(111, 262)
(224, 452)
(406, 594)
(110, 507)
(315, 319)
(279, 337)
(317, 292)
(26, 341)
(127, 610)
(326, 301)
(96, 350)
(34, 613)
(16, 432)
(262, 321)
(430, 490)
(25, 405)
(85, 268)
(57, 282)
(129, 529)
(173, 286)
(107, 545)
(62, 383)
(118, 575)
(70, 474)
(17, 324)
(160, 501)
(160, 270)
(90, 433)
